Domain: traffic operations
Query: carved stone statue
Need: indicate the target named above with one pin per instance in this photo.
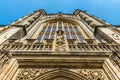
(60, 42)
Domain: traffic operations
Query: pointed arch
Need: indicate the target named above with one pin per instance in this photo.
(65, 19)
(60, 74)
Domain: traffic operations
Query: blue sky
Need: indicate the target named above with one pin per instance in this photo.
(108, 10)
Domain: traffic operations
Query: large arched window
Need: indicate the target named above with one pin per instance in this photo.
(71, 31)
(72, 34)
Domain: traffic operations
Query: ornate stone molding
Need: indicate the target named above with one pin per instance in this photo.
(91, 74)
(30, 73)
(115, 58)
(116, 36)
(5, 56)
(58, 74)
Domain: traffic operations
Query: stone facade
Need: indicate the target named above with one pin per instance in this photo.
(76, 46)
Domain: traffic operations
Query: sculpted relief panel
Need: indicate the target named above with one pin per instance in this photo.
(30, 74)
(91, 74)
(86, 74)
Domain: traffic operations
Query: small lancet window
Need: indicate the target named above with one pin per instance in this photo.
(49, 29)
(60, 26)
(39, 37)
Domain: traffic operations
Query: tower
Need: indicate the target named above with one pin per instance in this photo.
(60, 46)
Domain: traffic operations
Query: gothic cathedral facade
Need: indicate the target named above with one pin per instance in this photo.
(60, 46)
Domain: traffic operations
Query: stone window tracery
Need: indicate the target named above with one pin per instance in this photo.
(70, 30)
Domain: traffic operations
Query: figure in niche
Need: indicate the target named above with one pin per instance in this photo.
(60, 42)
